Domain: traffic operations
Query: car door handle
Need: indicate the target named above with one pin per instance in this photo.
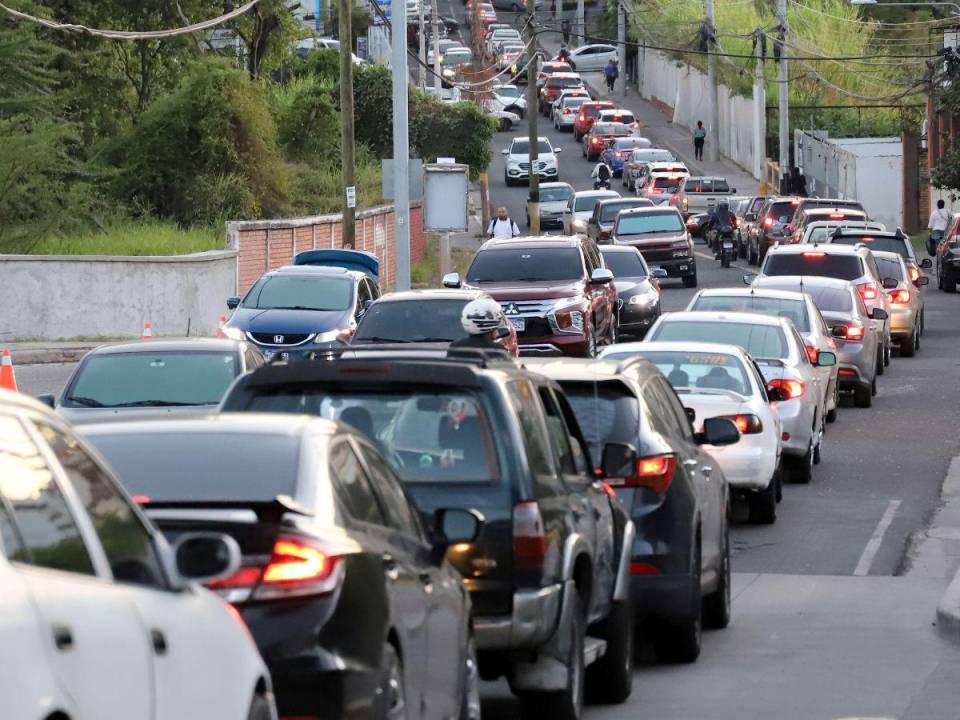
(706, 470)
(159, 641)
(390, 567)
(62, 637)
(690, 463)
(426, 579)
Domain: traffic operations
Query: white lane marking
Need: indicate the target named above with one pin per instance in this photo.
(707, 256)
(873, 545)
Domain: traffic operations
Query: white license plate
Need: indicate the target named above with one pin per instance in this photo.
(683, 268)
(728, 246)
(519, 324)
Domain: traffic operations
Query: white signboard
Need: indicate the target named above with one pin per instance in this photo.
(351, 197)
(445, 188)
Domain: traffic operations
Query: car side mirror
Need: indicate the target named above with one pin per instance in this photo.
(367, 304)
(202, 557)
(452, 526)
(601, 276)
(924, 280)
(48, 400)
(777, 394)
(826, 359)
(451, 280)
(718, 432)
(749, 278)
(878, 314)
(890, 283)
(691, 414)
(558, 150)
(926, 263)
(505, 151)
(619, 460)
(659, 273)
(839, 331)
(233, 302)
(733, 191)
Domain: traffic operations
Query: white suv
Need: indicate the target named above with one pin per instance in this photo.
(517, 165)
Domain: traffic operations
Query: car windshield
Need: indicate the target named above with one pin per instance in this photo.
(455, 57)
(509, 92)
(574, 102)
(191, 466)
(827, 299)
(813, 262)
(555, 194)
(144, 379)
(782, 212)
(666, 183)
(412, 321)
(795, 310)
(428, 436)
(522, 147)
(879, 244)
(586, 203)
(300, 292)
(606, 412)
(617, 117)
(699, 370)
(626, 264)
(761, 341)
(609, 210)
(526, 265)
(646, 223)
(889, 268)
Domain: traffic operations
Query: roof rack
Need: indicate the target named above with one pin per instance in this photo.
(465, 356)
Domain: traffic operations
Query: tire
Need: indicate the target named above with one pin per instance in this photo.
(908, 348)
(566, 704)
(873, 387)
(863, 396)
(724, 259)
(763, 504)
(818, 449)
(690, 281)
(679, 642)
(610, 679)
(506, 180)
(528, 219)
(591, 351)
(881, 365)
(802, 467)
(948, 283)
(718, 605)
(831, 416)
(887, 353)
(470, 699)
(390, 702)
(259, 709)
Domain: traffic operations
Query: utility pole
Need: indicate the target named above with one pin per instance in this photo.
(349, 197)
(423, 45)
(784, 121)
(437, 69)
(401, 144)
(533, 112)
(622, 44)
(759, 107)
(579, 29)
(713, 100)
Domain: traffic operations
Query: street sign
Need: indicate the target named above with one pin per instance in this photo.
(351, 197)
(445, 186)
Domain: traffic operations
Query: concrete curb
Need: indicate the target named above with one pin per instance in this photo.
(44, 356)
(948, 611)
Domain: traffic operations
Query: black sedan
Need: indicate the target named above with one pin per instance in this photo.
(348, 596)
(638, 291)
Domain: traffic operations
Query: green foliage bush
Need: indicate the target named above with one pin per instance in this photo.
(459, 131)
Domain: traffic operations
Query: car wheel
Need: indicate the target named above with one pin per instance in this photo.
(505, 124)
(873, 387)
(610, 679)
(887, 352)
(259, 709)
(802, 470)
(528, 219)
(390, 702)
(591, 351)
(718, 605)
(572, 65)
(470, 699)
(881, 368)
(908, 347)
(763, 504)
(835, 410)
(690, 281)
(506, 179)
(567, 704)
(916, 339)
(679, 642)
(779, 477)
(863, 395)
(818, 449)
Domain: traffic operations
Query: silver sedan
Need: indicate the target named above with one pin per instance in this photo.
(906, 302)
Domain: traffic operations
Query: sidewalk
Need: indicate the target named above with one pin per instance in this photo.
(42, 352)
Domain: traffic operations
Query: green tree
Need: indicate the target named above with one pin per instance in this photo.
(268, 31)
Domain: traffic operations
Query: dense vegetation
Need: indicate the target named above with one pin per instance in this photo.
(99, 136)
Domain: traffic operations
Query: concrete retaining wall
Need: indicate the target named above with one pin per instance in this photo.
(53, 297)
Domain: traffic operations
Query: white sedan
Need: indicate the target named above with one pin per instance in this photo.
(723, 381)
(101, 618)
(592, 57)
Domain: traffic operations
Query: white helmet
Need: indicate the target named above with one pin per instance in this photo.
(481, 316)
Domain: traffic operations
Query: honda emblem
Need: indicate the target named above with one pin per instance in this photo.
(278, 339)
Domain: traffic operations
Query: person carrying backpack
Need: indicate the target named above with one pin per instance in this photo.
(611, 72)
(502, 226)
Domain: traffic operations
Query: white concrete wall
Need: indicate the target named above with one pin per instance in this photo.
(54, 297)
(880, 188)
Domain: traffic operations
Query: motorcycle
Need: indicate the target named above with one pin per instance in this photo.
(597, 184)
(726, 246)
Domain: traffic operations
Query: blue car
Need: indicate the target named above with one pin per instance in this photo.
(616, 153)
(313, 304)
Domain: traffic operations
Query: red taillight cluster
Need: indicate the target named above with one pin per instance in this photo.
(654, 472)
(747, 424)
(914, 275)
(900, 297)
(813, 353)
(851, 332)
(529, 536)
(792, 389)
(868, 291)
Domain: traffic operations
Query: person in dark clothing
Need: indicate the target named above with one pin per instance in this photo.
(611, 72)
(480, 319)
(699, 137)
(721, 220)
(565, 28)
(797, 182)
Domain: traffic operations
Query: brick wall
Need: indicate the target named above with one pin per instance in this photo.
(264, 245)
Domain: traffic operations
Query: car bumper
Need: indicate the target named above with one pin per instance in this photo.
(565, 122)
(320, 686)
(551, 220)
(854, 357)
(796, 418)
(750, 463)
(636, 320)
(677, 267)
(573, 345)
(532, 622)
(902, 322)
(518, 174)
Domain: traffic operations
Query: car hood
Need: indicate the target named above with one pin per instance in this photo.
(542, 157)
(289, 321)
(632, 286)
(531, 290)
(645, 238)
(554, 206)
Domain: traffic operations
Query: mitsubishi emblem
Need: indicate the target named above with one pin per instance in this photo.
(511, 309)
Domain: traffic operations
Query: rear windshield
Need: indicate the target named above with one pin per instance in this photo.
(649, 223)
(159, 379)
(795, 310)
(843, 267)
(665, 183)
(555, 193)
(782, 212)
(626, 264)
(610, 128)
(761, 341)
(412, 321)
(189, 466)
(551, 68)
(587, 203)
(606, 412)
(427, 436)
(574, 102)
(831, 299)
(300, 292)
(592, 111)
(563, 82)
(880, 244)
(609, 210)
(629, 143)
(890, 268)
(526, 265)
(756, 204)
(714, 371)
(648, 155)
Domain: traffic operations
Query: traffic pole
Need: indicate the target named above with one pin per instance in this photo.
(401, 145)
(713, 101)
(622, 45)
(437, 68)
(349, 196)
(533, 113)
(423, 44)
(784, 120)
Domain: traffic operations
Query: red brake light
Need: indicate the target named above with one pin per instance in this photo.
(815, 254)
(293, 561)
(836, 216)
(768, 221)
(853, 332)
(791, 388)
(529, 536)
(747, 424)
(641, 568)
(813, 354)
(900, 297)
(141, 499)
(867, 291)
(654, 472)
(914, 273)
(847, 372)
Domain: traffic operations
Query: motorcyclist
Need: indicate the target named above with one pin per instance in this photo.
(721, 221)
(601, 175)
(564, 54)
(480, 319)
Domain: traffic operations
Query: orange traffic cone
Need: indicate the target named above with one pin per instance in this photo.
(7, 379)
(223, 321)
(147, 332)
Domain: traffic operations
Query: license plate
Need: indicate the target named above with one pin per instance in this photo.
(519, 324)
(682, 268)
(728, 246)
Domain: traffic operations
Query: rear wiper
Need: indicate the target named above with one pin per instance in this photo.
(85, 401)
(159, 403)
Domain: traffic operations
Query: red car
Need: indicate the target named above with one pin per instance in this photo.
(585, 118)
(555, 84)
(551, 67)
(595, 141)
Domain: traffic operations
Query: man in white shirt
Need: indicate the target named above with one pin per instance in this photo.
(502, 226)
(939, 220)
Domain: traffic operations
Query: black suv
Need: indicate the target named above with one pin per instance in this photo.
(549, 572)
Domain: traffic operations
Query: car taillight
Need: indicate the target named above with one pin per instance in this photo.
(813, 353)
(768, 221)
(914, 274)
(868, 291)
(567, 111)
(855, 333)
(582, 117)
(746, 424)
(529, 536)
(791, 388)
(595, 140)
(900, 297)
(815, 254)
(654, 472)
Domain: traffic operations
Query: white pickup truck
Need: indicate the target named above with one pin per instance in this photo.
(701, 194)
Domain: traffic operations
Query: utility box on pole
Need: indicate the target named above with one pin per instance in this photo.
(445, 190)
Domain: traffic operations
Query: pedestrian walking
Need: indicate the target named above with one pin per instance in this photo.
(939, 220)
(612, 72)
(565, 29)
(699, 137)
(797, 182)
(502, 226)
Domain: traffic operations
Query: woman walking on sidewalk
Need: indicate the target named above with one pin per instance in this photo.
(612, 72)
(699, 137)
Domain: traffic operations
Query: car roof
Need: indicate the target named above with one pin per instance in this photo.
(854, 231)
(752, 292)
(584, 369)
(533, 241)
(561, 75)
(722, 316)
(682, 346)
(829, 248)
(548, 185)
(609, 194)
(286, 424)
(706, 177)
(818, 210)
(607, 249)
(649, 210)
(663, 164)
(431, 294)
(802, 280)
(171, 345)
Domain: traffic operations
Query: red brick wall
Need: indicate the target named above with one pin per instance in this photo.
(374, 233)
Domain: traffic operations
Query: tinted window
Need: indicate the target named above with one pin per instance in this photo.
(609, 210)
(606, 412)
(574, 102)
(395, 503)
(50, 537)
(300, 292)
(539, 457)
(756, 204)
(721, 186)
(652, 155)
(353, 486)
(827, 299)
(650, 223)
(677, 416)
(170, 466)
(628, 144)
(555, 194)
(126, 542)
(591, 111)
(559, 437)
(666, 183)
(10, 542)
(890, 268)
(795, 310)
(782, 211)
(412, 321)
(152, 379)
(761, 341)
(586, 203)
(624, 264)
(880, 244)
(843, 267)
(711, 371)
(526, 265)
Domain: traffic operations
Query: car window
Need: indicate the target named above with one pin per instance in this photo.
(647, 223)
(559, 436)
(760, 341)
(813, 262)
(363, 295)
(795, 310)
(127, 544)
(706, 186)
(655, 408)
(720, 186)
(300, 291)
(626, 264)
(696, 369)
(532, 426)
(676, 415)
(526, 265)
(353, 488)
(890, 267)
(50, 536)
(412, 321)
(387, 486)
(606, 412)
